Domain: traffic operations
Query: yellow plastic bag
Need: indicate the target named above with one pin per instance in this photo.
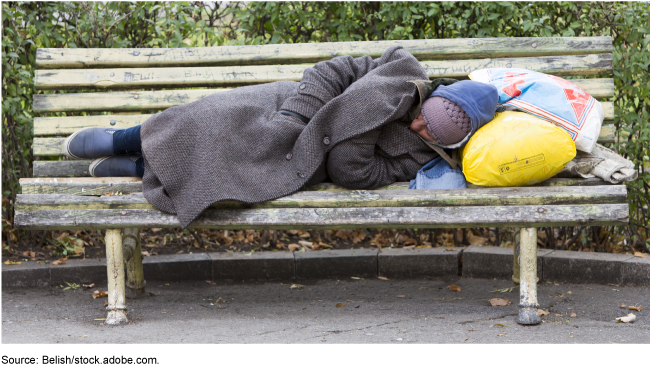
(516, 149)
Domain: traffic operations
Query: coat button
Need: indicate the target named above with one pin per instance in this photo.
(289, 155)
(326, 141)
(302, 86)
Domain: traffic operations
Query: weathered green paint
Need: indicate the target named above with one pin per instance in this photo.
(358, 199)
(140, 100)
(335, 218)
(81, 186)
(433, 49)
(229, 76)
(71, 168)
(599, 88)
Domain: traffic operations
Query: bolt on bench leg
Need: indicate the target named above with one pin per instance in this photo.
(115, 266)
(528, 278)
(134, 274)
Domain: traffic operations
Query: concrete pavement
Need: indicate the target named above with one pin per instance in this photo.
(375, 311)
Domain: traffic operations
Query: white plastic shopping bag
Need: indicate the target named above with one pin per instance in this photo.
(550, 98)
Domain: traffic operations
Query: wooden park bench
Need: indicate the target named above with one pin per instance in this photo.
(125, 82)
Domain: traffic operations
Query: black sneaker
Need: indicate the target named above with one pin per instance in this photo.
(89, 143)
(116, 166)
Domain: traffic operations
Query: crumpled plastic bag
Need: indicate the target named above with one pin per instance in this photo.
(603, 163)
(548, 97)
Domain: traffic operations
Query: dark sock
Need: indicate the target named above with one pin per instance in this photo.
(127, 141)
(139, 167)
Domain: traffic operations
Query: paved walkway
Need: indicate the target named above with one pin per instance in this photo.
(375, 311)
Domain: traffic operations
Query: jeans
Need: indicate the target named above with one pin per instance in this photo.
(437, 174)
(127, 142)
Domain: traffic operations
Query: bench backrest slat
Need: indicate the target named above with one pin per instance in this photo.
(434, 49)
(599, 88)
(226, 76)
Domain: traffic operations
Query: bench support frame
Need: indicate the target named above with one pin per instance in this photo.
(527, 258)
(116, 278)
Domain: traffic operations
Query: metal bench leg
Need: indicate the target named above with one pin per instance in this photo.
(115, 266)
(528, 278)
(134, 275)
(515, 258)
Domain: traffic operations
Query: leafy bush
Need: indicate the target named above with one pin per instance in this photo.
(29, 25)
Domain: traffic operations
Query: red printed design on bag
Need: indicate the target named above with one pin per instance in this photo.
(510, 83)
(577, 97)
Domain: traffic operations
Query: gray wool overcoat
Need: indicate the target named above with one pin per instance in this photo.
(235, 145)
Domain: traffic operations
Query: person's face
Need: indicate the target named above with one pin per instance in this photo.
(420, 127)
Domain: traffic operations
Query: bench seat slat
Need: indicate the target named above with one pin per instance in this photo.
(356, 198)
(334, 218)
(89, 186)
(458, 48)
(599, 88)
(54, 146)
(241, 75)
(69, 124)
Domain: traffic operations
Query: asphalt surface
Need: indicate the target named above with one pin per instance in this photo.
(374, 311)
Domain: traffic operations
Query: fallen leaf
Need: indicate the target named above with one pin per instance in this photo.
(476, 240)
(623, 306)
(340, 305)
(638, 309)
(500, 334)
(558, 315)
(401, 296)
(569, 292)
(640, 255)
(474, 330)
(105, 303)
(506, 290)
(382, 278)
(210, 282)
(454, 288)
(305, 243)
(296, 287)
(499, 325)
(573, 315)
(541, 312)
(356, 278)
(29, 253)
(627, 319)
(99, 294)
(293, 246)
(423, 287)
(100, 319)
(450, 249)
(88, 286)
(12, 262)
(60, 261)
(496, 302)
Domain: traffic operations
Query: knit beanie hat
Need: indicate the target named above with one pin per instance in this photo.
(447, 121)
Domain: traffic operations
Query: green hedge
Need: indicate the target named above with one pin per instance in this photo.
(29, 25)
